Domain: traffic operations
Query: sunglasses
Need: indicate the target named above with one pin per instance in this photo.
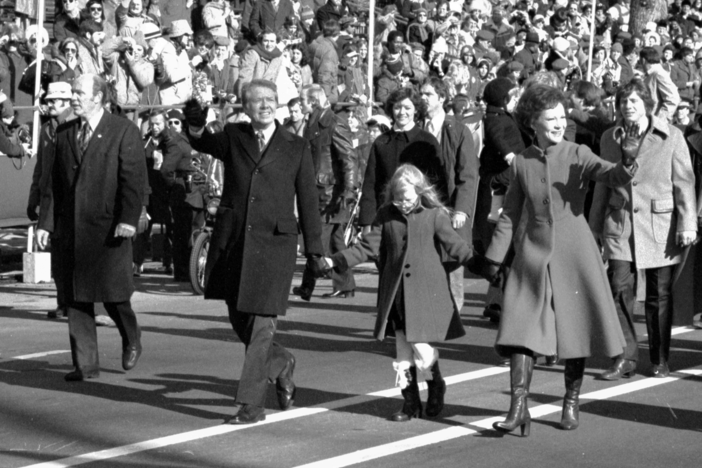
(177, 123)
(70, 49)
(97, 9)
(69, 1)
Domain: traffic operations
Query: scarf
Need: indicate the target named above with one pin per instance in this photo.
(265, 55)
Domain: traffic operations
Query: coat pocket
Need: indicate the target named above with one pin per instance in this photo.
(662, 219)
(287, 226)
(615, 216)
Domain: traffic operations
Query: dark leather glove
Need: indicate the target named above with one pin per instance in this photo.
(630, 144)
(195, 114)
(32, 213)
(317, 266)
(143, 223)
(492, 271)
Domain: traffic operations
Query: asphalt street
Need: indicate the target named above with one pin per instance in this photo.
(169, 410)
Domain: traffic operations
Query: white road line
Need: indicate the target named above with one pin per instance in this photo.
(38, 355)
(226, 428)
(446, 434)
(435, 437)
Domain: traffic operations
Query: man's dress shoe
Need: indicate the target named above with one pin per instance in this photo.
(622, 368)
(79, 376)
(339, 294)
(248, 414)
(660, 370)
(304, 293)
(285, 386)
(130, 356)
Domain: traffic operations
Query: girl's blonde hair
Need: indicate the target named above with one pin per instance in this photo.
(408, 174)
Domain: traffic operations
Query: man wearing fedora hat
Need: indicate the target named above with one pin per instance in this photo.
(58, 100)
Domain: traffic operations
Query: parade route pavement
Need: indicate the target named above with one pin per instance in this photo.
(170, 410)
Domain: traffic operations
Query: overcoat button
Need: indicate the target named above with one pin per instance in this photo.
(543, 180)
(407, 266)
(407, 275)
(636, 210)
(545, 201)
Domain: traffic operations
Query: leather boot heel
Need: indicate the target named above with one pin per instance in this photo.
(521, 369)
(437, 390)
(574, 370)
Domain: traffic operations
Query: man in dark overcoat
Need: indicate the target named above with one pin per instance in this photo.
(461, 166)
(98, 182)
(253, 248)
(336, 167)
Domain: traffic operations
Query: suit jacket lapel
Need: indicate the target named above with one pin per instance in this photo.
(73, 141)
(96, 138)
(249, 142)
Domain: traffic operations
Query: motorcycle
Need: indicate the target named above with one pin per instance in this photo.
(212, 193)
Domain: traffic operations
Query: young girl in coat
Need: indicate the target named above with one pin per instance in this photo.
(410, 234)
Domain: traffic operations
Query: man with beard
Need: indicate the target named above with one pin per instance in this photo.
(58, 101)
(89, 51)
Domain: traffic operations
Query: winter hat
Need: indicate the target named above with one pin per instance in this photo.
(515, 66)
(59, 90)
(180, 28)
(617, 47)
(532, 38)
(306, 13)
(175, 114)
(485, 35)
(561, 45)
(150, 31)
(496, 91)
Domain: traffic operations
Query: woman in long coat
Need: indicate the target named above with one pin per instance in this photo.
(557, 298)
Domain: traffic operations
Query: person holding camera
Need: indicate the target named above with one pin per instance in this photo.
(132, 73)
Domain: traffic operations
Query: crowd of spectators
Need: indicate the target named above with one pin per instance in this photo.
(165, 52)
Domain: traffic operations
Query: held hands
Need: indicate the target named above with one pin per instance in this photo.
(488, 269)
(458, 219)
(317, 265)
(195, 115)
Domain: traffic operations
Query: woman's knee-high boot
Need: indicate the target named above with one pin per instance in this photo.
(574, 370)
(412, 408)
(521, 368)
(437, 390)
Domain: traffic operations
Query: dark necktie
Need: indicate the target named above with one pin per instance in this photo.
(261, 141)
(85, 133)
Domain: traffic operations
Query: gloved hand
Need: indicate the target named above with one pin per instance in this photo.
(488, 269)
(630, 144)
(32, 213)
(143, 221)
(317, 265)
(194, 114)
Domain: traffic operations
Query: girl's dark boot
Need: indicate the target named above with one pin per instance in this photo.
(412, 408)
(437, 390)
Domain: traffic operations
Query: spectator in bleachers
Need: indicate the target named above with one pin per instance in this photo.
(67, 23)
(269, 15)
(89, 48)
(325, 60)
(332, 10)
(132, 73)
(95, 11)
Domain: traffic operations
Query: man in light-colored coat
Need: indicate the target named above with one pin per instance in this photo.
(661, 87)
(645, 225)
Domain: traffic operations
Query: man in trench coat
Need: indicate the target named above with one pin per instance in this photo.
(98, 181)
(253, 248)
(646, 224)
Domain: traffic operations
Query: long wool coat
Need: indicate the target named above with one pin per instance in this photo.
(639, 221)
(253, 248)
(557, 298)
(92, 193)
(409, 256)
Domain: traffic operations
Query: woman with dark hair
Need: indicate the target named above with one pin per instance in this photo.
(556, 297)
(405, 143)
(299, 71)
(64, 65)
